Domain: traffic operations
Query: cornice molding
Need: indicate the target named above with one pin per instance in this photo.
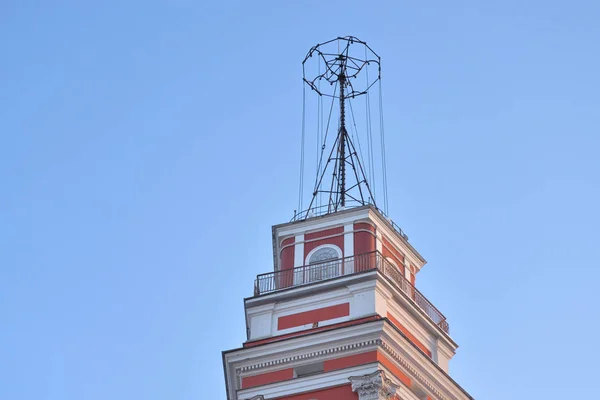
(340, 351)
(326, 345)
(311, 355)
(412, 372)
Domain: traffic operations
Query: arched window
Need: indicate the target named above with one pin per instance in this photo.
(323, 262)
(323, 253)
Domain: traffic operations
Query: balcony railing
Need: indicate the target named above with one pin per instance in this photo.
(273, 281)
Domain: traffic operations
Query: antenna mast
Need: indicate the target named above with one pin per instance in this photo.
(343, 133)
(345, 62)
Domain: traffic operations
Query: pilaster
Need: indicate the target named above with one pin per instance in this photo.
(374, 386)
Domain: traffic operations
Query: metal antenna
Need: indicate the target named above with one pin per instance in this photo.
(343, 133)
(343, 60)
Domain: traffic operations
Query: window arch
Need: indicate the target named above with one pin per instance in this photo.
(322, 253)
(322, 262)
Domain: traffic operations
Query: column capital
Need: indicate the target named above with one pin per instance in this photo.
(373, 386)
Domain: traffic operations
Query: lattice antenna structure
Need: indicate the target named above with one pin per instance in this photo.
(341, 74)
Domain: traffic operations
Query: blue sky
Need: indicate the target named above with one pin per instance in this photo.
(146, 148)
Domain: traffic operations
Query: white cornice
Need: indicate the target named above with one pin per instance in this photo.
(341, 342)
(326, 221)
(347, 281)
(420, 367)
(250, 355)
(342, 350)
(418, 314)
(303, 290)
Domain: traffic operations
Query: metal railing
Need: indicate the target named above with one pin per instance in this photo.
(278, 280)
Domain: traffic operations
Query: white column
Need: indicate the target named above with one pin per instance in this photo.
(374, 386)
(348, 248)
(299, 251)
(378, 241)
(299, 259)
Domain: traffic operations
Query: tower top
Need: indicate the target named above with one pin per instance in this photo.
(339, 72)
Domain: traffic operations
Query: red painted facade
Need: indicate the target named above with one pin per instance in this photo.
(269, 377)
(313, 330)
(350, 361)
(313, 316)
(287, 253)
(364, 242)
(329, 365)
(326, 236)
(390, 251)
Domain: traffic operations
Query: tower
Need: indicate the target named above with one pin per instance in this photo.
(339, 317)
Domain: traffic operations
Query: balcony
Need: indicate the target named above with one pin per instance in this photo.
(362, 263)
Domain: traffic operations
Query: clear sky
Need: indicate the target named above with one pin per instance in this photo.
(146, 148)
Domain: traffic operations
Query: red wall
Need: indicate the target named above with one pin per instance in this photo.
(312, 316)
(350, 361)
(390, 251)
(336, 393)
(364, 242)
(287, 254)
(286, 279)
(310, 241)
(269, 377)
(313, 330)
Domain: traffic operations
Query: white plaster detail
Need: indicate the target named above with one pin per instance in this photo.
(349, 245)
(378, 241)
(260, 320)
(444, 354)
(324, 222)
(362, 303)
(411, 372)
(382, 296)
(422, 334)
(426, 377)
(368, 294)
(373, 386)
(408, 272)
(299, 250)
(336, 351)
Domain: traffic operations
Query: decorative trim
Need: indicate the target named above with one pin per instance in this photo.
(307, 384)
(341, 350)
(413, 372)
(309, 356)
(373, 386)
